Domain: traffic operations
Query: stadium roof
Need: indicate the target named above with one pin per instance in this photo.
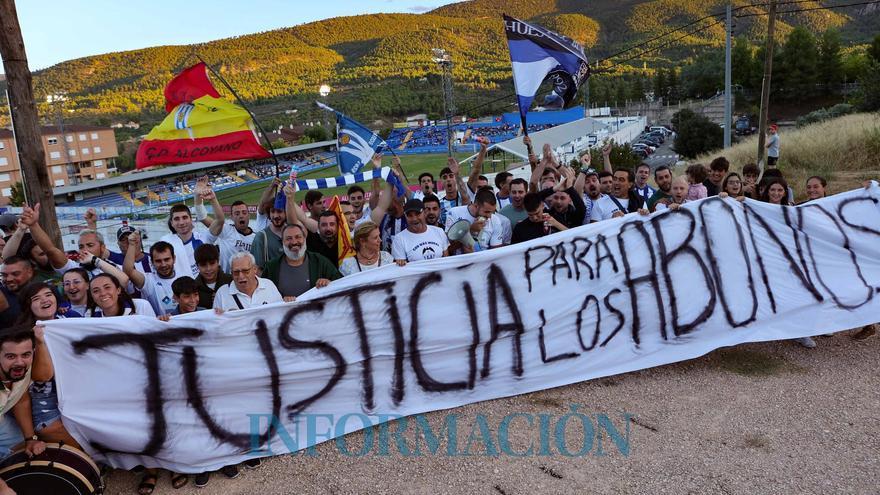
(173, 170)
(557, 136)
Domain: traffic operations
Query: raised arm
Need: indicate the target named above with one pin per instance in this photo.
(42, 370)
(91, 218)
(378, 213)
(477, 165)
(199, 210)
(14, 241)
(453, 165)
(87, 258)
(267, 199)
(295, 214)
(537, 172)
(216, 225)
(29, 217)
(376, 185)
(533, 160)
(606, 156)
(398, 171)
(134, 243)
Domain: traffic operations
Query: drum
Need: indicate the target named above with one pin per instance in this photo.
(60, 470)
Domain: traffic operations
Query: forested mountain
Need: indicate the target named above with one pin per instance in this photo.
(380, 65)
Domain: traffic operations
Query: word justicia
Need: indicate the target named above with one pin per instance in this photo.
(518, 434)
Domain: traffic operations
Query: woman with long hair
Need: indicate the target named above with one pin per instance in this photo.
(775, 192)
(367, 244)
(732, 185)
(75, 283)
(40, 303)
(108, 298)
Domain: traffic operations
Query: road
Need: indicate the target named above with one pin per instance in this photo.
(663, 156)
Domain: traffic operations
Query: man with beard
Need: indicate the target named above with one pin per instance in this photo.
(566, 204)
(15, 273)
(432, 210)
(624, 199)
(267, 243)
(663, 178)
(486, 228)
(537, 224)
(297, 270)
(323, 229)
(247, 290)
(419, 241)
(155, 287)
(515, 212)
(356, 196)
(16, 358)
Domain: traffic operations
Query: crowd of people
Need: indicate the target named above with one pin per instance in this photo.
(292, 247)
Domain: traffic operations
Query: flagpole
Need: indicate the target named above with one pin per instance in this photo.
(248, 110)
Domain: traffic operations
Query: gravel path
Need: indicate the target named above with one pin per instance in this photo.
(758, 418)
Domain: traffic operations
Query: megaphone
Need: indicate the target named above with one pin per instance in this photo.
(461, 231)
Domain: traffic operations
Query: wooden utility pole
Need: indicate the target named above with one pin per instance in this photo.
(25, 122)
(765, 86)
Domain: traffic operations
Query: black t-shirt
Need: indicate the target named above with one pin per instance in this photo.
(316, 245)
(527, 230)
(711, 189)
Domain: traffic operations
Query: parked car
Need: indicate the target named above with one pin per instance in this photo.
(657, 134)
(743, 126)
(665, 130)
(641, 153)
(643, 146)
(650, 141)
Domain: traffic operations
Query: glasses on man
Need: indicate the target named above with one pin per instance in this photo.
(243, 271)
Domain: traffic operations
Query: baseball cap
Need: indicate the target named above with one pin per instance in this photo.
(413, 205)
(8, 221)
(589, 171)
(124, 231)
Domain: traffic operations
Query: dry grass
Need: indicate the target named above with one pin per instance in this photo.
(845, 151)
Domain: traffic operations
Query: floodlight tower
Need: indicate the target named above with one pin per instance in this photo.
(442, 59)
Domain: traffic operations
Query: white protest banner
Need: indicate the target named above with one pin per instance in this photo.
(603, 299)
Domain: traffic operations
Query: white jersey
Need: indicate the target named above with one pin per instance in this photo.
(157, 291)
(604, 208)
(185, 258)
(232, 241)
(427, 245)
(492, 233)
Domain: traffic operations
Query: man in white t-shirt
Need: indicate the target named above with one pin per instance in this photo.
(426, 186)
(246, 290)
(155, 287)
(419, 241)
(185, 238)
(623, 199)
(486, 227)
(236, 237)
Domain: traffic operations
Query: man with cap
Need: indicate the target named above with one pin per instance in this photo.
(419, 241)
(141, 260)
(772, 146)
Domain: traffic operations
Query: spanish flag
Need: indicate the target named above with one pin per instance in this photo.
(344, 245)
(200, 127)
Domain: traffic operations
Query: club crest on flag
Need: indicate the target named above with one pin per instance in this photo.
(355, 143)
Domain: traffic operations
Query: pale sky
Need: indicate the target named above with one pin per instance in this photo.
(59, 30)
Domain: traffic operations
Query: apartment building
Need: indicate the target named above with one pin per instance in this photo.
(80, 154)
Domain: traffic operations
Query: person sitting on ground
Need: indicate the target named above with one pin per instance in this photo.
(17, 348)
(210, 277)
(41, 304)
(247, 290)
(663, 179)
(367, 247)
(538, 223)
(419, 241)
(298, 270)
(678, 195)
(717, 171)
(696, 175)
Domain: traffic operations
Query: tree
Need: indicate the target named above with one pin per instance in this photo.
(704, 77)
(743, 64)
(868, 96)
(317, 133)
(830, 63)
(798, 62)
(679, 118)
(622, 156)
(673, 89)
(874, 49)
(637, 89)
(696, 135)
(659, 85)
(16, 198)
(620, 92)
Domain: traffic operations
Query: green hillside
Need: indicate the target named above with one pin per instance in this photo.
(380, 65)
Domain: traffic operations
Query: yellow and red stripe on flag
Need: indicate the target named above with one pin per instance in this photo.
(344, 244)
(202, 128)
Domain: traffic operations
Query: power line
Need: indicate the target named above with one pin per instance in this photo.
(689, 33)
(828, 7)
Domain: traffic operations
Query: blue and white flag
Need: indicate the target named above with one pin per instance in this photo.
(343, 180)
(355, 144)
(536, 55)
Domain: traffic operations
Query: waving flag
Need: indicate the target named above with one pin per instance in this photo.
(536, 55)
(344, 245)
(200, 127)
(355, 144)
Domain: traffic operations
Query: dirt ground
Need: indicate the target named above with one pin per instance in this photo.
(757, 418)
